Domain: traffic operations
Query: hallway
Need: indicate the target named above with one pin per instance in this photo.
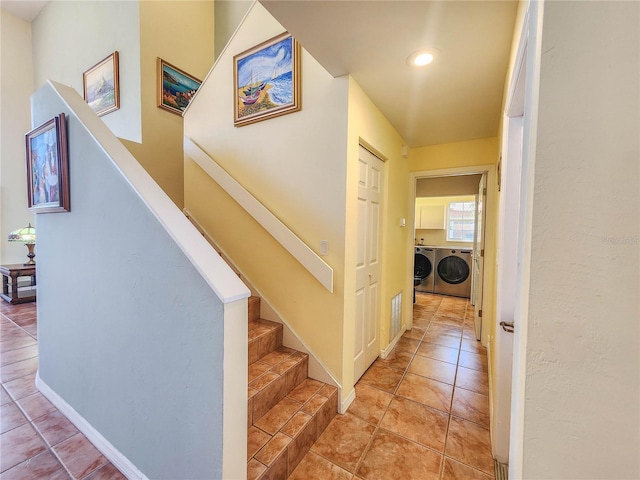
(422, 413)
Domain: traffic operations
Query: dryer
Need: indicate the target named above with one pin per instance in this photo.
(453, 271)
(423, 268)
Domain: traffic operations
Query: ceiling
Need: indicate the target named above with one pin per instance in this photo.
(457, 97)
(24, 9)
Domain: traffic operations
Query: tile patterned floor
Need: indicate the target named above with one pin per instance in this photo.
(36, 440)
(421, 413)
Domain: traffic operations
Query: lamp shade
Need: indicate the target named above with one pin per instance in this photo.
(23, 235)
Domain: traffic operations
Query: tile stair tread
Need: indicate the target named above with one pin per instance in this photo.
(290, 417)
(279, 362)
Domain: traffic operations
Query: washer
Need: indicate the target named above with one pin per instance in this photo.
(453, 271)
(423, 268)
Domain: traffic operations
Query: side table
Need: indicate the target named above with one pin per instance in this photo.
(15, 291)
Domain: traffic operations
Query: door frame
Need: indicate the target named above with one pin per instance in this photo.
(490, 171)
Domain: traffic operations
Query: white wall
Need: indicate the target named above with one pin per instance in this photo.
(16, 85)
(69, 37)
(581, 409)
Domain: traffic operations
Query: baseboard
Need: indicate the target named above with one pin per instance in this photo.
(346, 403)
(116, 457)
(501, 470)
(385, 353)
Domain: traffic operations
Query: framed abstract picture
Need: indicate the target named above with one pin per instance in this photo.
(48, 167)
(102, 86)
(266, 80)
(176, 87)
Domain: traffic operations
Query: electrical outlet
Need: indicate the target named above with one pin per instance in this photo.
(324, 247)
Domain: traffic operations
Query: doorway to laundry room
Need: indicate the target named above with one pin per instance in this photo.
(448, 251)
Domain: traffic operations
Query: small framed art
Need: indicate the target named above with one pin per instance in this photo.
(101, 85)
(176, 87)
(48, 167)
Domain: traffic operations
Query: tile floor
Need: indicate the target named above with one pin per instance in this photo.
(36, 440)
(422, 413)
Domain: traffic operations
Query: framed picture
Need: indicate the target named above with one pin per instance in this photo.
(176, 87)
(48, 167)
(102, 86)
(266, 80)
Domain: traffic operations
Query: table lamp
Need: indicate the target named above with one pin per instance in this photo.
(26, 235)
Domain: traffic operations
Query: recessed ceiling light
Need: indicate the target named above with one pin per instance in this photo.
(421, 58)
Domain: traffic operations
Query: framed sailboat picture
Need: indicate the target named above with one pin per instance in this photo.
(176, 87)
(267, 80)
(101, 85)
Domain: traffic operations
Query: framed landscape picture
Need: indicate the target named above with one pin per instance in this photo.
(176, 87)
(101, 85)
(48, 167)
(267, 80)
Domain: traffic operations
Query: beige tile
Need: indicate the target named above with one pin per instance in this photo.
(296, 424)
(457, 471)
(432, 368)
(416, 422)
(22, 387)
(409, 345)
(470, 444)
(370, 403)
(19, 354)
(19, 444)
(18, 369)
(344, 441)
(256, 439)
(384, 378)
(4, 396)
(473, 360)
(11, 417)
(255, 469)
(391, 457)
(426, 391)
(42, 466)
(473, 345)
(36, 406)
(108, 472)
(307, 389)
(439, 352)
(273, 449)
(256, 369)
(416, 333)
(438, 328)
(314, 467)
(396, 359)
(278, 416)
(79, 455)
(278, 468)
(55, 427)
(471, 406)
(442, 339)
(301, 444)
(473, 380)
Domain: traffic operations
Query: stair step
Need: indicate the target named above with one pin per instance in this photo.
(254, 308)
(279, 439)
(272, 377)
(264, 338)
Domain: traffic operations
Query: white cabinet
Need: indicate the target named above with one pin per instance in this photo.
(430, 217)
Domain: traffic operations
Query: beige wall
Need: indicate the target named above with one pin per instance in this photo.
(443, 186)
(367, 124)
(293, 164)
(228, 15)
(188, 48)
(69, 37)
(16, 86)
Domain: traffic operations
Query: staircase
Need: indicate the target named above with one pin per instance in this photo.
(287, 411)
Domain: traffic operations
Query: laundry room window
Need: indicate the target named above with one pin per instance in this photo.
(461, 221)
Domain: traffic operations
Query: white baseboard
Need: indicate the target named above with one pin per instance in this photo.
(385, 353)
(119, 461)
(346, 403)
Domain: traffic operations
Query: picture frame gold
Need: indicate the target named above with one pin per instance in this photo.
(176, 87)
(266, 80)
(101, 85)
(48, 167)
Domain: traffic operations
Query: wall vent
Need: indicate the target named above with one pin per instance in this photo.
(396, 315)
(501, 470)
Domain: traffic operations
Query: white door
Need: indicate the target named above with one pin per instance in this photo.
(478, 254)
(367, 319)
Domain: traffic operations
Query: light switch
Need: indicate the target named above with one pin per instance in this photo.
(324, 247)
